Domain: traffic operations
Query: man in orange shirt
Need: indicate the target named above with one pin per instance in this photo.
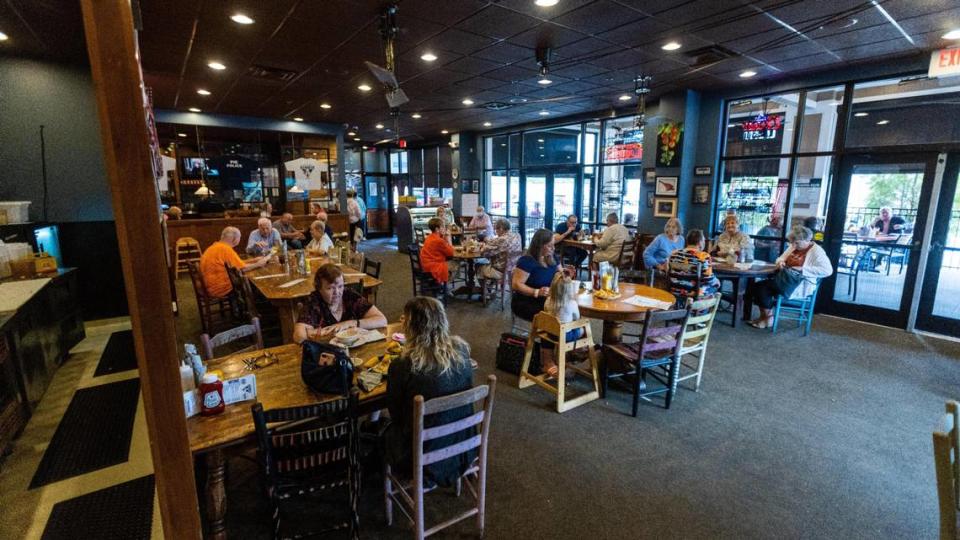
(436, 250)
(219, 254)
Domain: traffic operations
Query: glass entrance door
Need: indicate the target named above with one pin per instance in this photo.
(549, 196)
(378, 205)
(939, 309)
(535, 204)
(875, 232)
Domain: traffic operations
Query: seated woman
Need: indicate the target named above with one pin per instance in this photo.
(798, 270)
(657, 253)
(691, 274)
(320, 243)
(481, 224)
(732, 242)
(433, 364)
(330, 308)
(533, 275)
(436, 251)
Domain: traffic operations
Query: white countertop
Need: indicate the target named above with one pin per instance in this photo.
(14, 294)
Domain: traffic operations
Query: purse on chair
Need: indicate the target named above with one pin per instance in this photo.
(326, 369)
(787, 281)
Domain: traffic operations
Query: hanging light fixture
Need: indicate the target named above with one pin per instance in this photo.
(203, 190)
(641, 87)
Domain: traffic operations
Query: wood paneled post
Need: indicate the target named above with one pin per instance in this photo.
(116, 77)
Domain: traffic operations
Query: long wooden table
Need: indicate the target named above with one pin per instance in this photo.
(278, 385)
(615, 312)
(207, 231)
(270, 279)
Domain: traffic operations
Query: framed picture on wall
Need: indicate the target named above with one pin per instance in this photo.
(476, 186)
(664, 207)
(701, 193)
(465, 186)
(649, 199)
(651, 176)
(667, 186)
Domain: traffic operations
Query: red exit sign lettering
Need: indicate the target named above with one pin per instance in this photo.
(944, 63)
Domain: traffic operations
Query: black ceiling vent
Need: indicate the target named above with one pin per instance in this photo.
(265, 73)
(496, 106)
(712, 54)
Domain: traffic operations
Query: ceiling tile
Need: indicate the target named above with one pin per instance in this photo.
(451, 13)
(541, 12)
(458, 41)
(507, 53)
(498, 23)
(547, 35)
(598, 16)
(472, 65)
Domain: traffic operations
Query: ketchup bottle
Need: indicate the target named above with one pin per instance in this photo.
(211, 394)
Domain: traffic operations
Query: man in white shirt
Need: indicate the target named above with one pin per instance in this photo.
(354, 214)
(608, 246)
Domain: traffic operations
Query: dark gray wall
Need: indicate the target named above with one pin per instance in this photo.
(61, 98)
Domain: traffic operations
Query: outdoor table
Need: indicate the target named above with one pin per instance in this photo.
(469, 258)
(615, 312)
(740, 277)
(278, 385)
(270, 281)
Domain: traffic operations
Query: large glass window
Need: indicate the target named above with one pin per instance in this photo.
(497, 199)
(905, 111)
(754, 190)
(552, 146)
(623, 141)
(820, 115)
(761, 126)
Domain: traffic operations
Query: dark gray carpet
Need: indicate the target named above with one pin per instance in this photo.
(826, 436)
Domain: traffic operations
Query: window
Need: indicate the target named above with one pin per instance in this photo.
(553, 146)
(496, 152)
(755, 190)
(888, 113)
(820, 119)
(623, 141)
(761, 126)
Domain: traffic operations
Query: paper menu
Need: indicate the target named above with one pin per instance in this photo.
(643, 301)
(240, 389)
(291, 283)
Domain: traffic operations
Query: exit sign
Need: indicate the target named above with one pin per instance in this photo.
(945, 63)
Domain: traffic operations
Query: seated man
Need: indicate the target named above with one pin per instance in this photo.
(290, 234)
(263, 238)
(436, 251)
(500, 249)
(610, 243)
(221, 253)
(568, 230)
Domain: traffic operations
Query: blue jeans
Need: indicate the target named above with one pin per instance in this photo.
(572, 335)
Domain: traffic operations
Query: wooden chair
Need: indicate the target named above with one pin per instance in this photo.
(946, 453)
(186, 250)
(656, 354)
(215, 312)
(797, 310)
(409, 495)
(637, 271)
(546, 328)
(371, 268)
(490, 287)
(423, 282)
(311, 452)
(625, 259)
(252, 331)
(696, 335)
(245, 300)
(356, 259)
(419, 236)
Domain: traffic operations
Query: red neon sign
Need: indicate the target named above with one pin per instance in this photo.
(623, 152)
(763, 123)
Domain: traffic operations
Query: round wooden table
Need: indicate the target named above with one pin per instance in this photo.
(469, 258)
(615, 312)
(741, 277)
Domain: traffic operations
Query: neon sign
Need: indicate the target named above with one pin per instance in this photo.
(762, 127)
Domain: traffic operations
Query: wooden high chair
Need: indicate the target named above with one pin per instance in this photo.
(546, 328)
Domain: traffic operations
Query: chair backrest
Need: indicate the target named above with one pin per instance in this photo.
(946, 453)
(356, 287)
(482, 393)
(419, 235)
(661, 333)
(627, 252)
(640, 245)
(548, 328)
(242, 287)
(700, 321)
(199, 288)
(356, 259)
(252, 330)
(371, 268)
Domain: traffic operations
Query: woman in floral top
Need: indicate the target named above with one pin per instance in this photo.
(503, 250)
(331, 308)
(686, 264)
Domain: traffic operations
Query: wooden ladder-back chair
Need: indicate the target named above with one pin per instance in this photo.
(546, 328)
(656, 354)
(423, 282)
(371, 268)
(356, 259)
(215, 312)
(243, 293)
(946, 459)
(409, 495)
(306, 452)
(696, 335)
(251, 331)
(186, 249)
(419, 236)
(637, 271)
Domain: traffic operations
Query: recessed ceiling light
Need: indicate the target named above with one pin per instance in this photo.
(544, 81)
(444, 132)
(544, 113)
(324, 105)
(379, 126)
(467, 101)
(953, 34)
(545, 3)
(240, 18)
(193, 109)
(747, 74)
(364, 88)
(539, 140)
(672, 46)
(364, 147)
(356, 139)
(731, 125)
(203, 92)
(487, 124)
(3, 37)
(217, 66)
(351, 133)
(415, 115)
(625, 97)
(297, 119)
(861, 114)
(181, 134)
(883, 122)
(428, 57)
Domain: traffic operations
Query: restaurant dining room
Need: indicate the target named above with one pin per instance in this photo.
(479, 268)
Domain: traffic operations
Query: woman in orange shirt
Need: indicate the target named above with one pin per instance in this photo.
(436, 249)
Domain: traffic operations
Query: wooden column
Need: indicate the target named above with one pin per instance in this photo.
(116, 77)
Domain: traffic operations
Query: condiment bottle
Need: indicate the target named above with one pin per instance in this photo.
(211, 395)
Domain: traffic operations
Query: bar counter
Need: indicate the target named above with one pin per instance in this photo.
(207, 231)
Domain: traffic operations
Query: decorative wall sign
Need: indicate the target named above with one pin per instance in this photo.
(651, 176)
(701, 193)
(669, 143)
(703, 170)
(665, 208)
(667, 186)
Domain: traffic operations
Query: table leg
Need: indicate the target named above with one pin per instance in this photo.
(471, 279)
(612, 332)
(216, 495)
(747, 304)
(286, 311)
(737, 302)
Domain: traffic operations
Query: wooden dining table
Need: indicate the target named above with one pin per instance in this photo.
(278, 385)
(741, 275)
(615, 312)
(286, 289)
(587, 244)
(469, 258)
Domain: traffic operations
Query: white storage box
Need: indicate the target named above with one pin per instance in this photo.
(12, 212)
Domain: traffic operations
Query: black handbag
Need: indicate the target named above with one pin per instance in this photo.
(510, 354)
(332, 376)
(787, 280)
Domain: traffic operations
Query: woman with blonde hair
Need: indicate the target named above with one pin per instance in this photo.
(732, 242)
(433, 364)
(657, 253)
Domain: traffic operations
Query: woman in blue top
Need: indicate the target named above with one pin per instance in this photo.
(657, 253)
(532, 276)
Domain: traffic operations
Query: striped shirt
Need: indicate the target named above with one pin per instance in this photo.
(684, 265)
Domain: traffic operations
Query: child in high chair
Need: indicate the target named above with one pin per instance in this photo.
(562, 304)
